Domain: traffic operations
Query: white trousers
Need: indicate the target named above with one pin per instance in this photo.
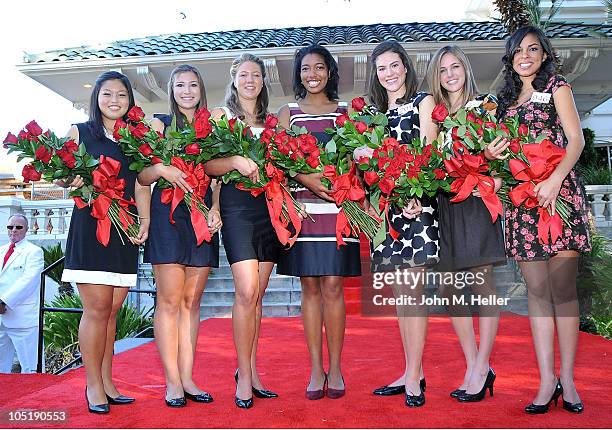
(23, 341)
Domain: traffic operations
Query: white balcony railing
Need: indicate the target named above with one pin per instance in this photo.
(600, 201)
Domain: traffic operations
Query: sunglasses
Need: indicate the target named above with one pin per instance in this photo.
(16, 227)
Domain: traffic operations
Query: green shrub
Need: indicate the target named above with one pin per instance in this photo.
(595, 175)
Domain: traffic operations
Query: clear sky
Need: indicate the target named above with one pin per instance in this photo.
(35, 26)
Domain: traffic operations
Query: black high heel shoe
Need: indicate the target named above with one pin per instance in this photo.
(103, 408)
(477, 397)
(575, 408)
(260, 394)
(413, 401)
(389, 390)
(120, 400)
(178, 402)
(532, 408)
(456, 393)
(203, 397)
(244, 404)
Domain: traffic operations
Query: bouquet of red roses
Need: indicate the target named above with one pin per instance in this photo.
(542, 160)
(233, 137)
(395, 173)
(466, 135)
(186, 149)
(297, 151)
(56, 158)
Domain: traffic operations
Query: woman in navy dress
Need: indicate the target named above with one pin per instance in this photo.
(181, 267)
(315, 257)
(103, 274)
(543, 101)
(393, 90)
(469, 240)
(248, 236)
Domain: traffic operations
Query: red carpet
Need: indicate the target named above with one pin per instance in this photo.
(372, 357)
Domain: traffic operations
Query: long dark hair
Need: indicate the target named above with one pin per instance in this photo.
(509, 93)
(378, 93)
(95, 123)
(231, 94)
(173, 105)
(331, 89)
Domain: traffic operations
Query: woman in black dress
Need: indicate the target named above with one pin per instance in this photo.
(543, 101)
(468, 238)
(248, 236)
(393, 90)
(181, 267)
(103, 274)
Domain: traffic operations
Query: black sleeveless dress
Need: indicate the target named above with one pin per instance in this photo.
(247, 231)
(87, 260)
(176, 243)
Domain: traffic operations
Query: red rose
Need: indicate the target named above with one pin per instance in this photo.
(307, 143)
(11, 139)
(266, 136)
(271, 121)
(135, 114)
(202, 114)
(67, 157)
(515, 146)
(192, 149)
(455, 133)
(386, 185)
(70, 146)
(480, 132)
(439, 113)
(232, 124)
(313, 161)
(42, 154)
(440, 174)
(523, 130)
(370, 177)
(358, 104)
(156, 160)
(361, 127)
(139, 131)
(342, 119)
(390, 142)
(29, 173)
(470, 117)
(23, 134)
(145, 149)
(490, 125)
(118, 124)
(33, 128)
(202, 128)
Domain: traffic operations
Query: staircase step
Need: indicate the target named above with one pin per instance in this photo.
(270, 297)
(224, 309)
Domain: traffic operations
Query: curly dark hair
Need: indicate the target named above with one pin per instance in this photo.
(509, 93)
(331, 89)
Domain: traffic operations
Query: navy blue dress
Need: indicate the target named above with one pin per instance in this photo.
(176, 243)
(87, 260)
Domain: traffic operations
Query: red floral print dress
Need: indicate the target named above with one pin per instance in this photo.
(521, 229)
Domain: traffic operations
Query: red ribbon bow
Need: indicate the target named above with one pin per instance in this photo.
(278, 200)
(344, 187)
(111, 189)
(468, 168)
(199, 181)
(543, 159)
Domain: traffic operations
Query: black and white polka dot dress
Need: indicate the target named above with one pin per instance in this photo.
(417, 244)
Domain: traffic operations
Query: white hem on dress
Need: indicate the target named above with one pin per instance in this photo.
(99, 277)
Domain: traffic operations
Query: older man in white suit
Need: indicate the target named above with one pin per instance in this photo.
(22, 263)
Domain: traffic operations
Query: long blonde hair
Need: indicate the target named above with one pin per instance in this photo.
(440, 95)
(231, 93)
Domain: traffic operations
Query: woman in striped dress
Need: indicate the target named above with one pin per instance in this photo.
(314, 257)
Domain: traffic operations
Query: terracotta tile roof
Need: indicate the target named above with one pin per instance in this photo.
(293, 37)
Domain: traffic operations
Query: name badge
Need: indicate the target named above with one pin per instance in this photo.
(404, 109)
(538, 97)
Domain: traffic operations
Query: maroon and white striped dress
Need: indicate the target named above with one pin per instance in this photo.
(315, 252)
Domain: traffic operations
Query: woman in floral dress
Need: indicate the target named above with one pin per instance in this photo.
(543, 101)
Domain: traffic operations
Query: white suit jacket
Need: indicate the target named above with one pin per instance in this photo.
(20, 284)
